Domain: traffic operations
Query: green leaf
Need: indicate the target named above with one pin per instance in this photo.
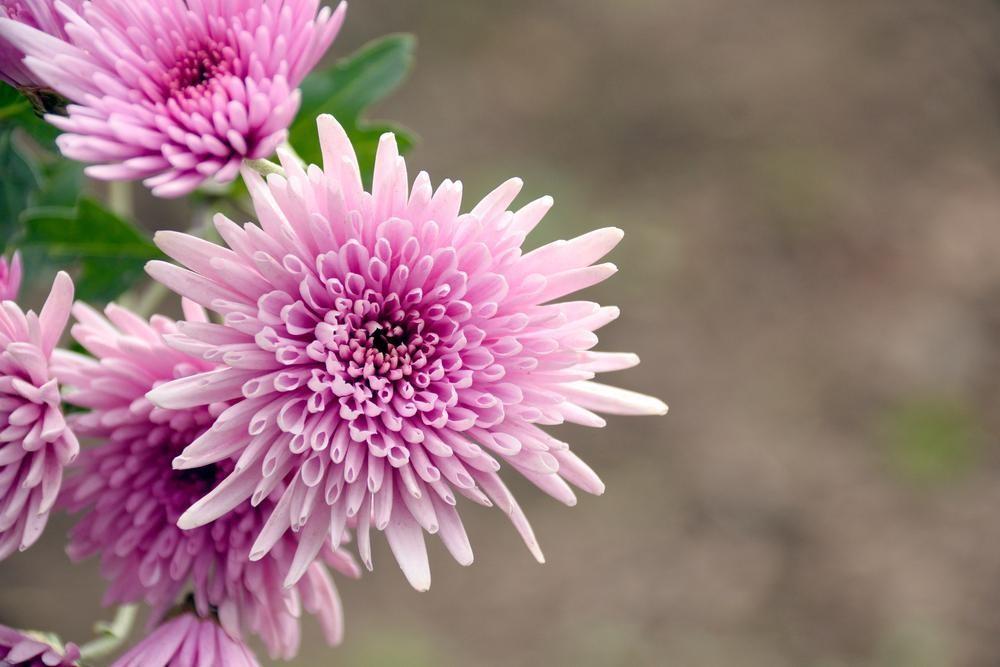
(18, 182)
(17, 110)
(346, 90)
(109, 252)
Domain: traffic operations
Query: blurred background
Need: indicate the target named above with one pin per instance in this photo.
(810, 195)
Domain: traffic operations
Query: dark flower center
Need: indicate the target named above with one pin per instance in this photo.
(196, 68)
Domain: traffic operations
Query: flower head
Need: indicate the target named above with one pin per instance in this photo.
(26, 649)
(35, 443)
(39, 14)
(188, 641)
(177, 92)
(384, 351)
(10, 278)
(132, 497)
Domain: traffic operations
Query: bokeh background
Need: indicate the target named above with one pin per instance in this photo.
(811, 195)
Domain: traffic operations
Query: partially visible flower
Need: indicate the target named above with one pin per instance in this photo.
(132, 497)
(29, 649)
(177, 92)
(188, 641)
(383, 350)
(10, 278)
(39, 14)
(35, 443)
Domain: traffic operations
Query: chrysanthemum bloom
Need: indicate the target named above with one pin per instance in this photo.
(177, 92)
(35, 443)
(10, 278)
(383, 351)
(133, 497)
(39, 14)
(188, 641)
(24, 649)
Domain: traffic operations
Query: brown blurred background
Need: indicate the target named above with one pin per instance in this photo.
(810, 194)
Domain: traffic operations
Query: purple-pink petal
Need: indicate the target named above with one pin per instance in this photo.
(188, 641)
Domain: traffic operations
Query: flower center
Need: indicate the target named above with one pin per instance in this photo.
(195, 68)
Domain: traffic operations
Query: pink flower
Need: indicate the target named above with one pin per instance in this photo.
(35, 443)
(383, 351)
(25, 649)
(177, 92)
(39, 14)
(10, 278)
(132, 497)
(188, 641)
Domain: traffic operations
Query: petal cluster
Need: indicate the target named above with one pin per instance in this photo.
(176, 92)
(10, 278)
(38, 14)
(35, 441)
(383, 352)
(188, 641)
(20, 649)
(131, 497)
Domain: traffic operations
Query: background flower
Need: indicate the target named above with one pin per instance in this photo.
(39, 14)
(132, 497)
(26, 649)
(176, 94)
(384, 350)
(188, 641)
(10, 277)
(35, 443)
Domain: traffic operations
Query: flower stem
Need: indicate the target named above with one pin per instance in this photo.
(120, 199)
(264, 167)
(111, 636)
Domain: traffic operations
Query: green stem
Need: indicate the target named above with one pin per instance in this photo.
(265, 167)
(120, 199)
(111, 636)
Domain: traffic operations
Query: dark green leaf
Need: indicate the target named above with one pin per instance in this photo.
(18, 182)
(346, 90)
(109, 252)
(17, 110)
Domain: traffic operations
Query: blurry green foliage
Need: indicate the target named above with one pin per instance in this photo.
(346, 90)
(109, 252)
(19, 182)
(42, 214)
(931, 441)
(17, 111)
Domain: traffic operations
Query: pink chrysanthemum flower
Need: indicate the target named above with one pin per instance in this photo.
(39, 14)
(27, 649)
(383, 351)
(176, 92)
(10, 278)
(133, 497)
(35, 443)
(188, 641)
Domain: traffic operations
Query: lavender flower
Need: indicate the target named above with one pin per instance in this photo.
(177, 92)
(10, 278)
(28, 649)
(132, 498)
(188, 641)
(384, 351)
(39, 14)
(35, 443)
